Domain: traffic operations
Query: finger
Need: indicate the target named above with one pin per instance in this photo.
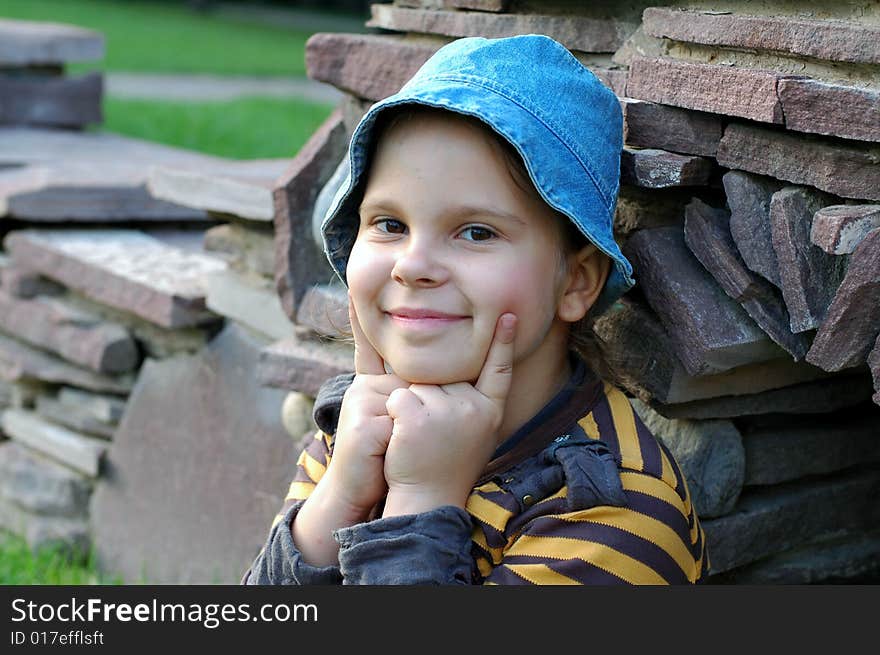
(402, 402)
(427, 393)
(366, 359)
(494, 380)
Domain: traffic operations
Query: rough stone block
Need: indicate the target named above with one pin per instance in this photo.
(72, 334)
(38, 484)
(238, 188)
(748, 197)
(81, 453)
(809, 276)
(202, 428)
(299, 261)
(245, 247)
(73, 417)
(851, 325)
(710, 454)
(816, 446)
(639, 208)
(658, 169)
(70, 535)
(105, 408)
(67, 102)
(827, 394)
(845, 168)
(835, 40)
(369, 66)
(874, 365)
(640, 357)
(707, 234)
(303, 365)
(838, 229)
(32, 43)
(742, 92)
(834, 109)
(652, 125)
(126, 269)
(575, 32)
(20, 362)
(851, 558)
(771, 520)
(250, 300)
(710, 331)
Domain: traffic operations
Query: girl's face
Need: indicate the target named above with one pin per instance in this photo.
(447, 243)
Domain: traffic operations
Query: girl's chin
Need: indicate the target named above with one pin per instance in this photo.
(434, 375)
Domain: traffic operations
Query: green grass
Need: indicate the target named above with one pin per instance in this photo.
(161, 37)
(48, 566)
(250, 128)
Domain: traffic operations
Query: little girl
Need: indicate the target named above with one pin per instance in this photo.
(473, 444)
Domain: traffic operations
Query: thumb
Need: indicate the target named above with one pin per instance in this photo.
(494, 380)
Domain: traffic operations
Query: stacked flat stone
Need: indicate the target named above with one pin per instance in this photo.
(749, 209)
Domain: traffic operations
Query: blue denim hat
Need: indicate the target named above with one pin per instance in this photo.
(529, 89)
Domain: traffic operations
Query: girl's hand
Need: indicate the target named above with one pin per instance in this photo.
(364, 429)
(443, 436)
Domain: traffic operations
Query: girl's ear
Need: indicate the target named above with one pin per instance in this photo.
(587, 271)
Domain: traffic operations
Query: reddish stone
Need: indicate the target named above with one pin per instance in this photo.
(840, 228)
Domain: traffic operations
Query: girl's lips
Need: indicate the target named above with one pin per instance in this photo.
(425, 321)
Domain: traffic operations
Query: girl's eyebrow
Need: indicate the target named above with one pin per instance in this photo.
(464, 211)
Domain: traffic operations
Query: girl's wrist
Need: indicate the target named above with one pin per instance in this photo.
(401, 500)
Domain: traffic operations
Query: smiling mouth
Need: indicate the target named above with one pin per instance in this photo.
(425, 321)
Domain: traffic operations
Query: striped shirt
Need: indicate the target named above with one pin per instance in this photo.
(525, 529)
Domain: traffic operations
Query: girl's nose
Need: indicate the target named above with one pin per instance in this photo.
(419, 264)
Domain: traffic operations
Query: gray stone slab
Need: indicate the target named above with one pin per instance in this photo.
(250, 300)
(827, 394)
(103, 407)
(576, 32)
(711, 332)
(303, 365)
(79, 452)
(824, 445)
(300, 261)
(874, 365)
(203, 427)
(836, 40)
(838, 229)
(742, 92)
(652, 125)
(51, 101)
(73, 417)
(835, 109)
(748, 198)
(126, 269)
(771, 520)
(71, 535)
(658, 169)
(640, 357)
(88, 192)
(809, 276)
(40, 485)
(72, 334)
(30, 43)
(846, 168)
(245, 247)
(707, 234)
(851, 325)
(240, 188)
(851, 558)
(20, 362)
(710, 454)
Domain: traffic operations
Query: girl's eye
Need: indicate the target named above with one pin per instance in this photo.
(390, 226)
(477, 233)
